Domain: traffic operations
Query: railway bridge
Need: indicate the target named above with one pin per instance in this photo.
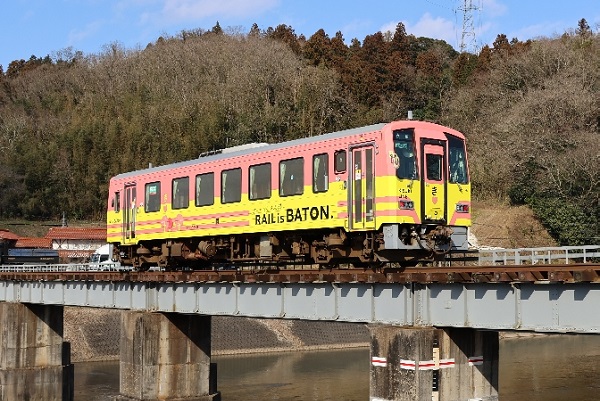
(434, 330)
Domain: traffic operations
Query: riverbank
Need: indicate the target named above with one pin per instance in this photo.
(94, 334)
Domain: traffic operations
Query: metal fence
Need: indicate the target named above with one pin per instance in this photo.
(69, 267)
(546, 255)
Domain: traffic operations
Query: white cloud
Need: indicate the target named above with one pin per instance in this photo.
(492, 8)
(429, 27)
(177, 11)
(389, 27)
(549, 29)
(353, 29)
(77, 36)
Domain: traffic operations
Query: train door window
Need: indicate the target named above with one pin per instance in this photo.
(434, 167)
(340, 161)
(231, 185)
(205, 189)
(291, 177)
(152, 203)
(458, 160)
(259, 181)
(117, 202)
(180, 195)
(321, 172)
(369, 184)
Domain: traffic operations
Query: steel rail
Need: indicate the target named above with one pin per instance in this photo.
(552, 273)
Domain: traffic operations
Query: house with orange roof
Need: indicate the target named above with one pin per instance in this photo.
(76, 244)
(8, 240)
(6, 235)
(30, 242)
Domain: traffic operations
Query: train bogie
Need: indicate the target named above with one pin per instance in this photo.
(396, 192)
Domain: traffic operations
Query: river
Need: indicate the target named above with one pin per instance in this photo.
(549, 368)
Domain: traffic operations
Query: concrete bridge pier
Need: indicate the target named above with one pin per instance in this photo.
(424, 364)
(34, 361)
(166, 356)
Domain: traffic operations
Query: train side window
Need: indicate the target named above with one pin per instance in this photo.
(291, 177)
(205, 189)
(320, 172)
(180, 196)
(340, 161)
(259, 182)
(152, 203)
(117, 202)
(231, 185)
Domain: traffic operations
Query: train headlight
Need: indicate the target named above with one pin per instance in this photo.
(405, 204)
(462, 208)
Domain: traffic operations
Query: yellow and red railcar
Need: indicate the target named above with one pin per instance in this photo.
(395, 192)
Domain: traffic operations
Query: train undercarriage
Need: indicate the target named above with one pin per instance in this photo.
(319, 248)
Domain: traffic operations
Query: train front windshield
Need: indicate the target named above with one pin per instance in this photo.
(406, 164)
(458, 160)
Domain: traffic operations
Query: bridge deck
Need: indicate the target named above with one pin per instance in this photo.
(548, 290)
(554, 273)
(539, 303)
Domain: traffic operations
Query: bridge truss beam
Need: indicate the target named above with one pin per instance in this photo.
(551, 307)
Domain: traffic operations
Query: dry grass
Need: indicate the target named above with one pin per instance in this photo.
(501, 225)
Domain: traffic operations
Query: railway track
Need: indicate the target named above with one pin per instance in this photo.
(551, 273)
(526, 265)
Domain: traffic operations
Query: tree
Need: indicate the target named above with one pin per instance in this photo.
(339, 52)
(463, 68)
(286, 35)
(583, 29)
(400, 44)
(254, 31)
(217, 29)
(318, 47)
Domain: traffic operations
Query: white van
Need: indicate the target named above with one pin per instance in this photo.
(102, 259)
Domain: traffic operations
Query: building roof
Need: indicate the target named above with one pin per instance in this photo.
(26, 242)
(7, 235)
(76, 233)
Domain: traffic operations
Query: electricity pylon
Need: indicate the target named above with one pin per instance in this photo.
(467, 39)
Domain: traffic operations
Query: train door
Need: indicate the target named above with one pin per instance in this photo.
(129, 213)
(361, 191)
(434, 182)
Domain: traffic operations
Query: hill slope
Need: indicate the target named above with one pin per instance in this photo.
(505, 226)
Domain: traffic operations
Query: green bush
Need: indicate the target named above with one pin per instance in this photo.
(565, 221)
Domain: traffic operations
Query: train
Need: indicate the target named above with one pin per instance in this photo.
(390, 193)
(25, 256)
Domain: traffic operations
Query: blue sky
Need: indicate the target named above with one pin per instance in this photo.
(45, 27)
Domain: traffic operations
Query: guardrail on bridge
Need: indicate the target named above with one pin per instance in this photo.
(545, 255)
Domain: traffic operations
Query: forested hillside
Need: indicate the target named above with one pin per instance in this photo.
(530, 111)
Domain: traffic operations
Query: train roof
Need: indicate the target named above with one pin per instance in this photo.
(247, 149)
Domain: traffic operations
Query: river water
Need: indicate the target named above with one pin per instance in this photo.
(549, 368)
